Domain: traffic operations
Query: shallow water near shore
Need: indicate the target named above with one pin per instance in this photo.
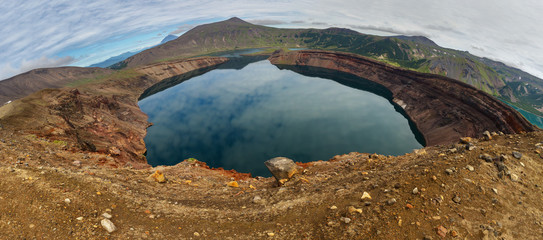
(247, 111)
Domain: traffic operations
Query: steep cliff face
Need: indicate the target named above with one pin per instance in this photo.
(101, 117)
(443, 109)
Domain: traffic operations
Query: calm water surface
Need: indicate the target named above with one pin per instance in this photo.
(246, 112)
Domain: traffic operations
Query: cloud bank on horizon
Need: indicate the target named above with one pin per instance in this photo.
(53, 33)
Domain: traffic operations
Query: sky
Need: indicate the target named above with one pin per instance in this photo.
(36, 33)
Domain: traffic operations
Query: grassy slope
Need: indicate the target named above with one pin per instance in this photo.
(416, 53)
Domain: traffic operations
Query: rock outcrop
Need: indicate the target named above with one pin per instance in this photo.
(443, 109)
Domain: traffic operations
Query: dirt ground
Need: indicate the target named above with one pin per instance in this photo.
(50, 192)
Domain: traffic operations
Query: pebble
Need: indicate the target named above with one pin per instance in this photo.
(514, 177)
(365, 195)
(196, 234)
(108, 225)
(270, 234)
(79, 219)
(522, 164)
(456, 199)
(257, 199)
(67, 201)
(487, 135)
(76, 163)
(495, 190)
(415, 190)
(486, 157)
(441, 231)
(354, 210)
(517, 155)
(333, 208)
(391, 201)
(345, 220)
(106, 215)
(449, 171)
(470, 168)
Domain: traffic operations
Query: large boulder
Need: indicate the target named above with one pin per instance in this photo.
(282, 168)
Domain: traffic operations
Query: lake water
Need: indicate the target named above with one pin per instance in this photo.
(247, 111)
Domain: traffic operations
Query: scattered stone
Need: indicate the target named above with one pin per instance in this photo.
(353, 210)
(441, 231)
(365, 195)
(517, 155)
(196, 234)
(106, 215)
(470, 146)
(114, 151)
(367, 203)
(391, 201)
(487, 135)
(76, 163)
(270, 234)
(257, 199)
(453, 233)
(456, 199)
(449, 171)
(108, 225)
(332, 224)
(486, 157)
(158, 176)
(470, 168)
(495, 190)
(409, 206)
(415, 190)
(452, 150)
(67, 201)
(232, 184)
(466, 140)
(514, 177)
(522, 164)
(345, 220)
(333, 208)
(282, 168)
(79, 219)
(427, 238)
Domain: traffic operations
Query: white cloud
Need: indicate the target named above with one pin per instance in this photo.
(507, 30)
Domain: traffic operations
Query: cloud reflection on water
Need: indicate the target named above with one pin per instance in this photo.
(237, 119)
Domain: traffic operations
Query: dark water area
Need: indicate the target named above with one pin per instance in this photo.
(246, 111)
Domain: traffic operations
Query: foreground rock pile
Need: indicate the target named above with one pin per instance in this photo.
(475, 189)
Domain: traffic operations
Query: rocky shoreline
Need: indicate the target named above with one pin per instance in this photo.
(443, 109)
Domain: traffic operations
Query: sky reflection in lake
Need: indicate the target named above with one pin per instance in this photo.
(237, 119)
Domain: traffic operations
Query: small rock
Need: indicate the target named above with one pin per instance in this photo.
(391, 201)
(158, 176)
(441, 231)
(365, 195)
(514, 177)
(257, 199)
(487, 135)
(470, 146)
(449, 171)
(456, 199)
(108, 225)
(196, 234)
(282, 168)
(345, 220)
(353, 210)
(453, 233)
(522, 164)
(427, 238)
(232, 184)
(486, 157)
(470, 168)
(67, 201)
(76, 163)
(466, 140)
(114, 151)
(333, 208)
(415, 190)
(106, 215)
(517, 155)
(79, 219)
(409, 206)
(270, 234)
(495, 190)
